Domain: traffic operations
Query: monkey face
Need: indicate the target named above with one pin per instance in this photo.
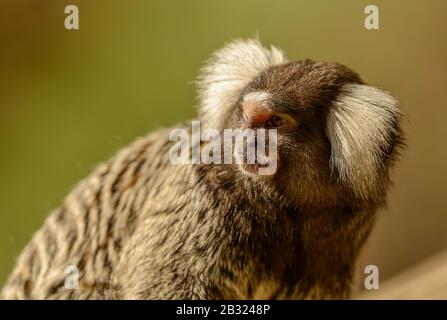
(293, 99)
(336, 137)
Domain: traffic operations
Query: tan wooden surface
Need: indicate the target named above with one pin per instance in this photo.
(426, 280)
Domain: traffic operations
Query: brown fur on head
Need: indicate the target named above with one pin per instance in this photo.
(337, 137)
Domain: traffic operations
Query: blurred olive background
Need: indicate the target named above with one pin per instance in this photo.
(70, 99)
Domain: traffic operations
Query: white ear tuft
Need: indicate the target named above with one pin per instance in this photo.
(225, 75)
(361, 124)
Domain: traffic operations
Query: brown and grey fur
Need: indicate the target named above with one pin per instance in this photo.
(141, 227)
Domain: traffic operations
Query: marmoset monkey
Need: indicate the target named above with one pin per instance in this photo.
(141, 227)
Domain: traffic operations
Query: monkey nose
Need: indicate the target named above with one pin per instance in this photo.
(256, 115)
(259, 120)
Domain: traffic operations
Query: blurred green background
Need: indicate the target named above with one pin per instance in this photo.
(70, 99)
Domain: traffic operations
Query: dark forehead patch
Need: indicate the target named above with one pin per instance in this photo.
(304, 83)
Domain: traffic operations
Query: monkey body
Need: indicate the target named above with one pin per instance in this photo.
(141, 227)
(128, 244)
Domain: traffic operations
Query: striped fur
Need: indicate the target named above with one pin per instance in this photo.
(89, 229)
(140, 227)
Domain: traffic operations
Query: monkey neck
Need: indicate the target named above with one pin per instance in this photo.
(309, 251)
(330, 241)
(309, 254)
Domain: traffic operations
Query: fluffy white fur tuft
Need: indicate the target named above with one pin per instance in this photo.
(360, 124)
(227, 72)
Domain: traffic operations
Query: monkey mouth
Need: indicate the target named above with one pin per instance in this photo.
(259, 168)
(256, 160)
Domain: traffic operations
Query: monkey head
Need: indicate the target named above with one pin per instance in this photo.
(336, 137)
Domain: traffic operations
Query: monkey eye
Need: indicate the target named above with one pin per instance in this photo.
(275, 122)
